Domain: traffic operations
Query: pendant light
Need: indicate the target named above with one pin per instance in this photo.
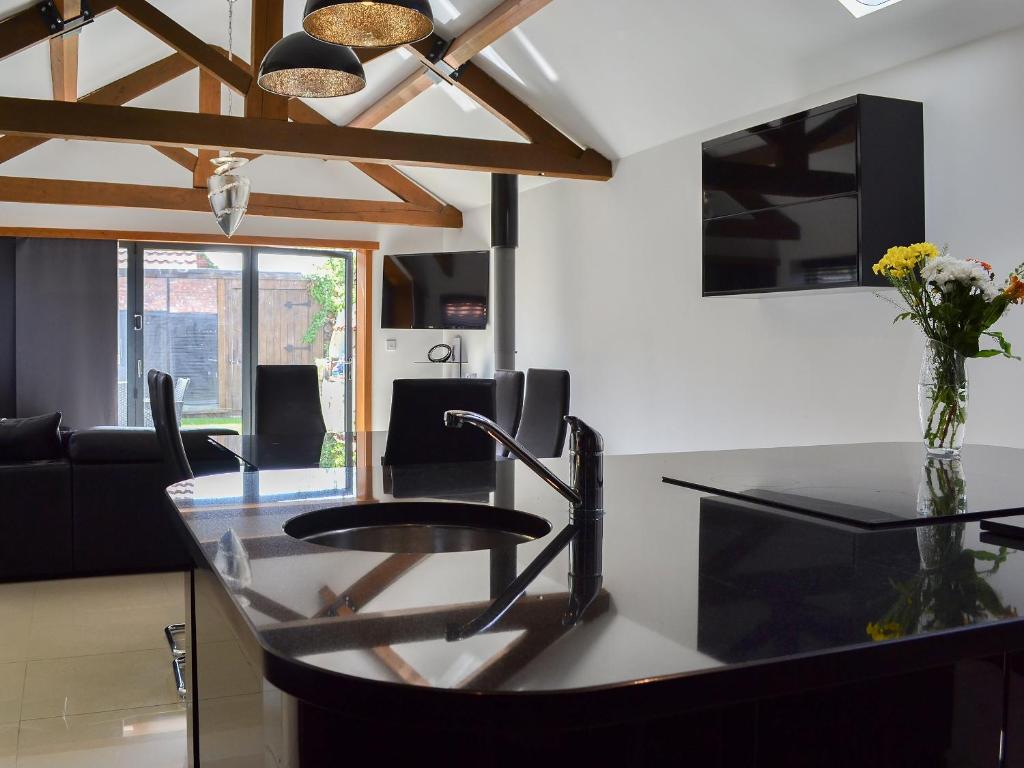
(228, 192)
(368, 23)
(302, 66)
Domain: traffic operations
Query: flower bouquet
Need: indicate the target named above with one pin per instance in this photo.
(955, 302)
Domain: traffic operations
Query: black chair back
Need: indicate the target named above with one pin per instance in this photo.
(508, 394)
(542, 427)
(417, 434)
(288, 400)
(165, 422)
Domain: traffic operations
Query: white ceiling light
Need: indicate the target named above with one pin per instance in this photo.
(863, 7)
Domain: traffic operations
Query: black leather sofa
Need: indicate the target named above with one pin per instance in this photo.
(100, 509)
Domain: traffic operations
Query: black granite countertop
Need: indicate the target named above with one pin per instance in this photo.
(702, 595)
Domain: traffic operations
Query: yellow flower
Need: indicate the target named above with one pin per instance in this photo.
(924, 250)
(888, 631)
(899, 261)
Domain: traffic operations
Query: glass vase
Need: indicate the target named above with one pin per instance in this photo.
(942, 491)
(942, 395)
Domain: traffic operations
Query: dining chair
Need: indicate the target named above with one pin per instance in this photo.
(546, 404)
(165, 423)
(417, 433)
(508, 396)
(288, 400)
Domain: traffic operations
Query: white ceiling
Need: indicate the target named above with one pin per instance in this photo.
(615, 75)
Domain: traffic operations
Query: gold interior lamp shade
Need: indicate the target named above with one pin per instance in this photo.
(302, 66)
(368, 23)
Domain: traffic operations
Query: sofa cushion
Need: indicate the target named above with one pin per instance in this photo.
(36, 438)
(114, 445)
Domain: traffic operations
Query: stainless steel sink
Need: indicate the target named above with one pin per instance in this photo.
(417, 526)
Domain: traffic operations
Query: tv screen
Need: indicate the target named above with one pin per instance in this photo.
(436, 290)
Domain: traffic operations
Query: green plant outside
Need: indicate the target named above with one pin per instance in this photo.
(326, 288)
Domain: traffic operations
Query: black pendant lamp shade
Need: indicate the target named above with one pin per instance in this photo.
(368, 24)
(302, 66)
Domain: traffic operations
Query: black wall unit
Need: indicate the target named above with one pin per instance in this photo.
(813, 200)
(8, 399)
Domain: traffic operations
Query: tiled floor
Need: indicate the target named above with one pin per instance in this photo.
(85, 675)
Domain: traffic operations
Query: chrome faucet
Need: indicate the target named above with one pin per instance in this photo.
(583, 534)
(586, 453)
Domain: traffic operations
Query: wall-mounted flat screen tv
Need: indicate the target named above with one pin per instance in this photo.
(436, 290)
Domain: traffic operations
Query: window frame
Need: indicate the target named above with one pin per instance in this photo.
(135, 319)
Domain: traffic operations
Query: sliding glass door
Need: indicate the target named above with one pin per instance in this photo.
(304, 313)
(209, 314)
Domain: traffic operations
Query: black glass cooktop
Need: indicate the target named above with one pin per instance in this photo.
(870, 485)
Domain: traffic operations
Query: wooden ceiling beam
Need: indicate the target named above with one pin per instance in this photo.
(116, 93)
(193, 238)
(181, 156)
(209, 104)
(173, 34)
(93, 122)
(505, 17)
(108, 195)
(497, 100)
(27, 28)
(392, 101)
(393, 180)
(267, 28)
(64, 55)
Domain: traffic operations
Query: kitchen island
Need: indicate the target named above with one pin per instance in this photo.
(722, 632)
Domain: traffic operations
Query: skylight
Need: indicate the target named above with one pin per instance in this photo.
(863, 7)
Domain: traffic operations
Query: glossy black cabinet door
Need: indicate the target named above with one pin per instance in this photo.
(808, 245)
(814, 199)
(797, 161)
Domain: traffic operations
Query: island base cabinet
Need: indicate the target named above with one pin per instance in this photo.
(237, 718)
(948, 716)
(945, 718)
(1014, 755)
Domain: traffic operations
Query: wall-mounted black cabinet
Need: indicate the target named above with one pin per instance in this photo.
(812, 200)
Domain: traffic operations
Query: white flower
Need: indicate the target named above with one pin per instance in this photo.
(944, 271)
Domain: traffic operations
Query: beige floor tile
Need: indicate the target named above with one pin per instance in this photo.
(153, 737)
(105, 682)
(8, 745)
(15, 593)
(14, 639)
(12, 683)
(16, 608)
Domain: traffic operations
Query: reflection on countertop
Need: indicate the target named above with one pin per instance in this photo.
(691, 584)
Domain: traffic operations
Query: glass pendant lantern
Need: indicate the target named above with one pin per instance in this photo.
(228, 193)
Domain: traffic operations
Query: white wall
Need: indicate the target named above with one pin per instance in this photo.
(609, 279)
(412, 345)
